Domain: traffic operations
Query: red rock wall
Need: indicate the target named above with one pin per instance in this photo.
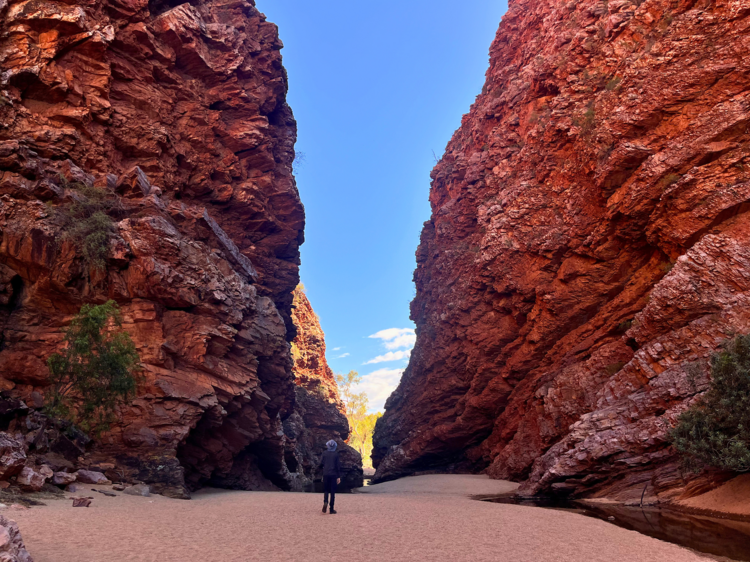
(588, 244)
(311, 370)
(319, 414)
(179, 107)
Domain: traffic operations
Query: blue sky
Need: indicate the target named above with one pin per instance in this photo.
(377, 88)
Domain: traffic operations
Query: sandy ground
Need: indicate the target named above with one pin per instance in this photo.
(426, 518)
(732, 497)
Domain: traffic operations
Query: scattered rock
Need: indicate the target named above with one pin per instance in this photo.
(37, 400)
(91, 477)
(81, 502)
(118, 487)
(12, 456)
(11, 407)
(73, 488)
(104, 492)
(57, 462)
(12, 548)
(63, 478)
(138, 490)
(30, 480)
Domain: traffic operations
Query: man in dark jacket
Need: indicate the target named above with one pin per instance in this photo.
(329, 463)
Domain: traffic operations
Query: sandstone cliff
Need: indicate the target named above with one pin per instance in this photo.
(319, 414)
(588, 248)
(178, 111)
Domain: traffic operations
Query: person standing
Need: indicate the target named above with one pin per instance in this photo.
(331, 466)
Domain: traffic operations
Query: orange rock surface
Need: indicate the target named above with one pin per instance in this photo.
(178, 108)
(311, 370)
(588, 249)
(319, 414)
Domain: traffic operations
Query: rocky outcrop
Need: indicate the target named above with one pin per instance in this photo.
(319, 414)
(176, 112)
(587, 251)
(12, 548)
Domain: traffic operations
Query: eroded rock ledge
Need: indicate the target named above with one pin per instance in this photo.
(588, 247)
(179, 108)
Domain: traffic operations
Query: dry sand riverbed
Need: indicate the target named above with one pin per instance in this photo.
(427, 518)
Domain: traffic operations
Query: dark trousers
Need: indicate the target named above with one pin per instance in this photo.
(329, 485)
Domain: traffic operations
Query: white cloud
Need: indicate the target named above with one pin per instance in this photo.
(390, 356)
(395, 338)
(378, 385)
(342, 355)
(336, 349)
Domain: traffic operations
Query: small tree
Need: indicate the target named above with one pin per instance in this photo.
(361, 424)
(362, 429)
(96, 372)
(86, 223)
(355, 403)
(716, 430)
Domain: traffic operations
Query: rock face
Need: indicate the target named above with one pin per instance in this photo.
(319, 415)
(12, 548)
(177, 111)
(587, 251)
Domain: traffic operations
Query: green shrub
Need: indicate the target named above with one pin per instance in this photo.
(669, 179)
(624, 326)
(614, 368)
(96, 372)
(587, 121)
(87, 224)
(613, 84)
(716, 430)
(667, 266)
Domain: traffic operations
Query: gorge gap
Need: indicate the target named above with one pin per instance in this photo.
(587, 250)
(178, 108)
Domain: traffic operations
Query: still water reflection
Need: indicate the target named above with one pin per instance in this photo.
(710, 535)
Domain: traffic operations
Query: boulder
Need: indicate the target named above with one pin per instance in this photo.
(12, 456)
(91, 477)
(63, 478)
(56, 462)
(138, 490)
(46, 471)
(12, 548)
(30, 480)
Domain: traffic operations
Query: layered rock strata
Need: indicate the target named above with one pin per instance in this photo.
(319, 414)
(587, 251)
(176, 111)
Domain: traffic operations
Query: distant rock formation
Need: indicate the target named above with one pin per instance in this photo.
(319, 415)
(178, 111)
(589, 248)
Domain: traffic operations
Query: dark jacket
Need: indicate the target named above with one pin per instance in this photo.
(330, 464)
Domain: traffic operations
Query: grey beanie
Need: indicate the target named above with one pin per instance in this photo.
(331, 445)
